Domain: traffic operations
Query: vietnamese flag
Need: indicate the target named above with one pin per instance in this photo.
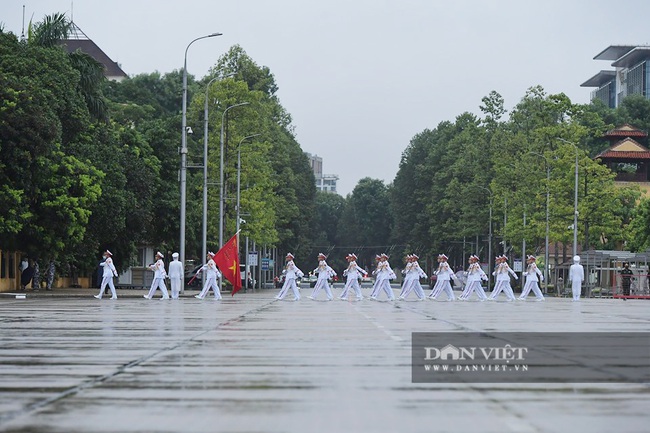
(227, 258)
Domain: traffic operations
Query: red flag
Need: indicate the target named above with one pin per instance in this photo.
(227, 258)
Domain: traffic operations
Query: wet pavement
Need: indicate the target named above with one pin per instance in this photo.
(70, 363)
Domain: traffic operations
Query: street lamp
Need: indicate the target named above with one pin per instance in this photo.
(548, 182)
(489, 240)
(575, 201)
(204, 239)
(239, 174)
(183, 174)
(221, 173)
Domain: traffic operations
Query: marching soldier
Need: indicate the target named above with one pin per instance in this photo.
(212, 274)
(107, 278)
(158, 278)
(413, 272)
(325, 272)
(352, 273)
(291, 272)
(532, 273)
(474, 276)
(502, 274)
(443, 282)
(384, 273)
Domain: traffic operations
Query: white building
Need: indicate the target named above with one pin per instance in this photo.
(324, 182)
(631, 75)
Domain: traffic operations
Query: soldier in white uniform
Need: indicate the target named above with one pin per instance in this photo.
(175, 275)
(353, 272)
(107, 278)
(407, 277)
(212, 274)
(158, 278)
(576, 277)
(474, 276)
(325, 272)
(532, 273)
(291, 272)
(384, 273)
(502, 273)
(376, 286)
(412, 279)
(443, 283)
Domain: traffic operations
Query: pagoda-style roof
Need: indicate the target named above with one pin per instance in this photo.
(625, 130)
(627, 149)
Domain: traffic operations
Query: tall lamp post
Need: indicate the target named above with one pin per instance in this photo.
(204, 238)
(548, 195)
(489, 240)
(575, 200)
(221, 172)
(183, 174)
(239, 174)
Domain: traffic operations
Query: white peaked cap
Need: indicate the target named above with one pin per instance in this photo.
(159, 254)
(576, 258)
(175, 255)
(109, 253)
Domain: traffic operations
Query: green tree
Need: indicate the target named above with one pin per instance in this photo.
(366, 221)
(48, 192)
(50, 33)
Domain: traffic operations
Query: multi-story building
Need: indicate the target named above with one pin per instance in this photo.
(631, 75)
(324, 182)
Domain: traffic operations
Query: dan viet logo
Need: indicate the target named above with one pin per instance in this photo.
(450, 352)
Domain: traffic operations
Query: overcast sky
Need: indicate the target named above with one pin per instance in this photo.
(362, 77)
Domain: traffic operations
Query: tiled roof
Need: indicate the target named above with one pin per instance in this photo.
(612, 154)
(626, 130)
(89, 47)
(627, 148)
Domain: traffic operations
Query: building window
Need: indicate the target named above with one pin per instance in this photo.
(141, 258)
(635, 78)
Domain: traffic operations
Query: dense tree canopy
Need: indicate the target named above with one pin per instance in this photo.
(87, 164)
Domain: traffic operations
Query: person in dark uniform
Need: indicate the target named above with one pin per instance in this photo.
(626, 278)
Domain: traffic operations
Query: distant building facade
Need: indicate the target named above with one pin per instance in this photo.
(324, 182)
(631, 75)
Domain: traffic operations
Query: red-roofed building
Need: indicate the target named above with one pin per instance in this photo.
(626, 157)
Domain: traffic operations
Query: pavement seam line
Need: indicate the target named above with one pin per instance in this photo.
(10, 416)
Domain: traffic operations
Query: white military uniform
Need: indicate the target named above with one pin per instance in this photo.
(158, 279)
(413, 273)
(532, 273)
(291, 272)
(211, 276)
(502, 274)
(445, 274)
(107, 277)
(175, 275)
(353, 272)
(383, 274)
(576, 277)
(474, 276)
(325, 272)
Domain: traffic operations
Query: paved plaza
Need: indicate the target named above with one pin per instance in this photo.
(249, 363)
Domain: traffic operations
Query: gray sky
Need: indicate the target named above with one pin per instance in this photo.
(362, 77)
